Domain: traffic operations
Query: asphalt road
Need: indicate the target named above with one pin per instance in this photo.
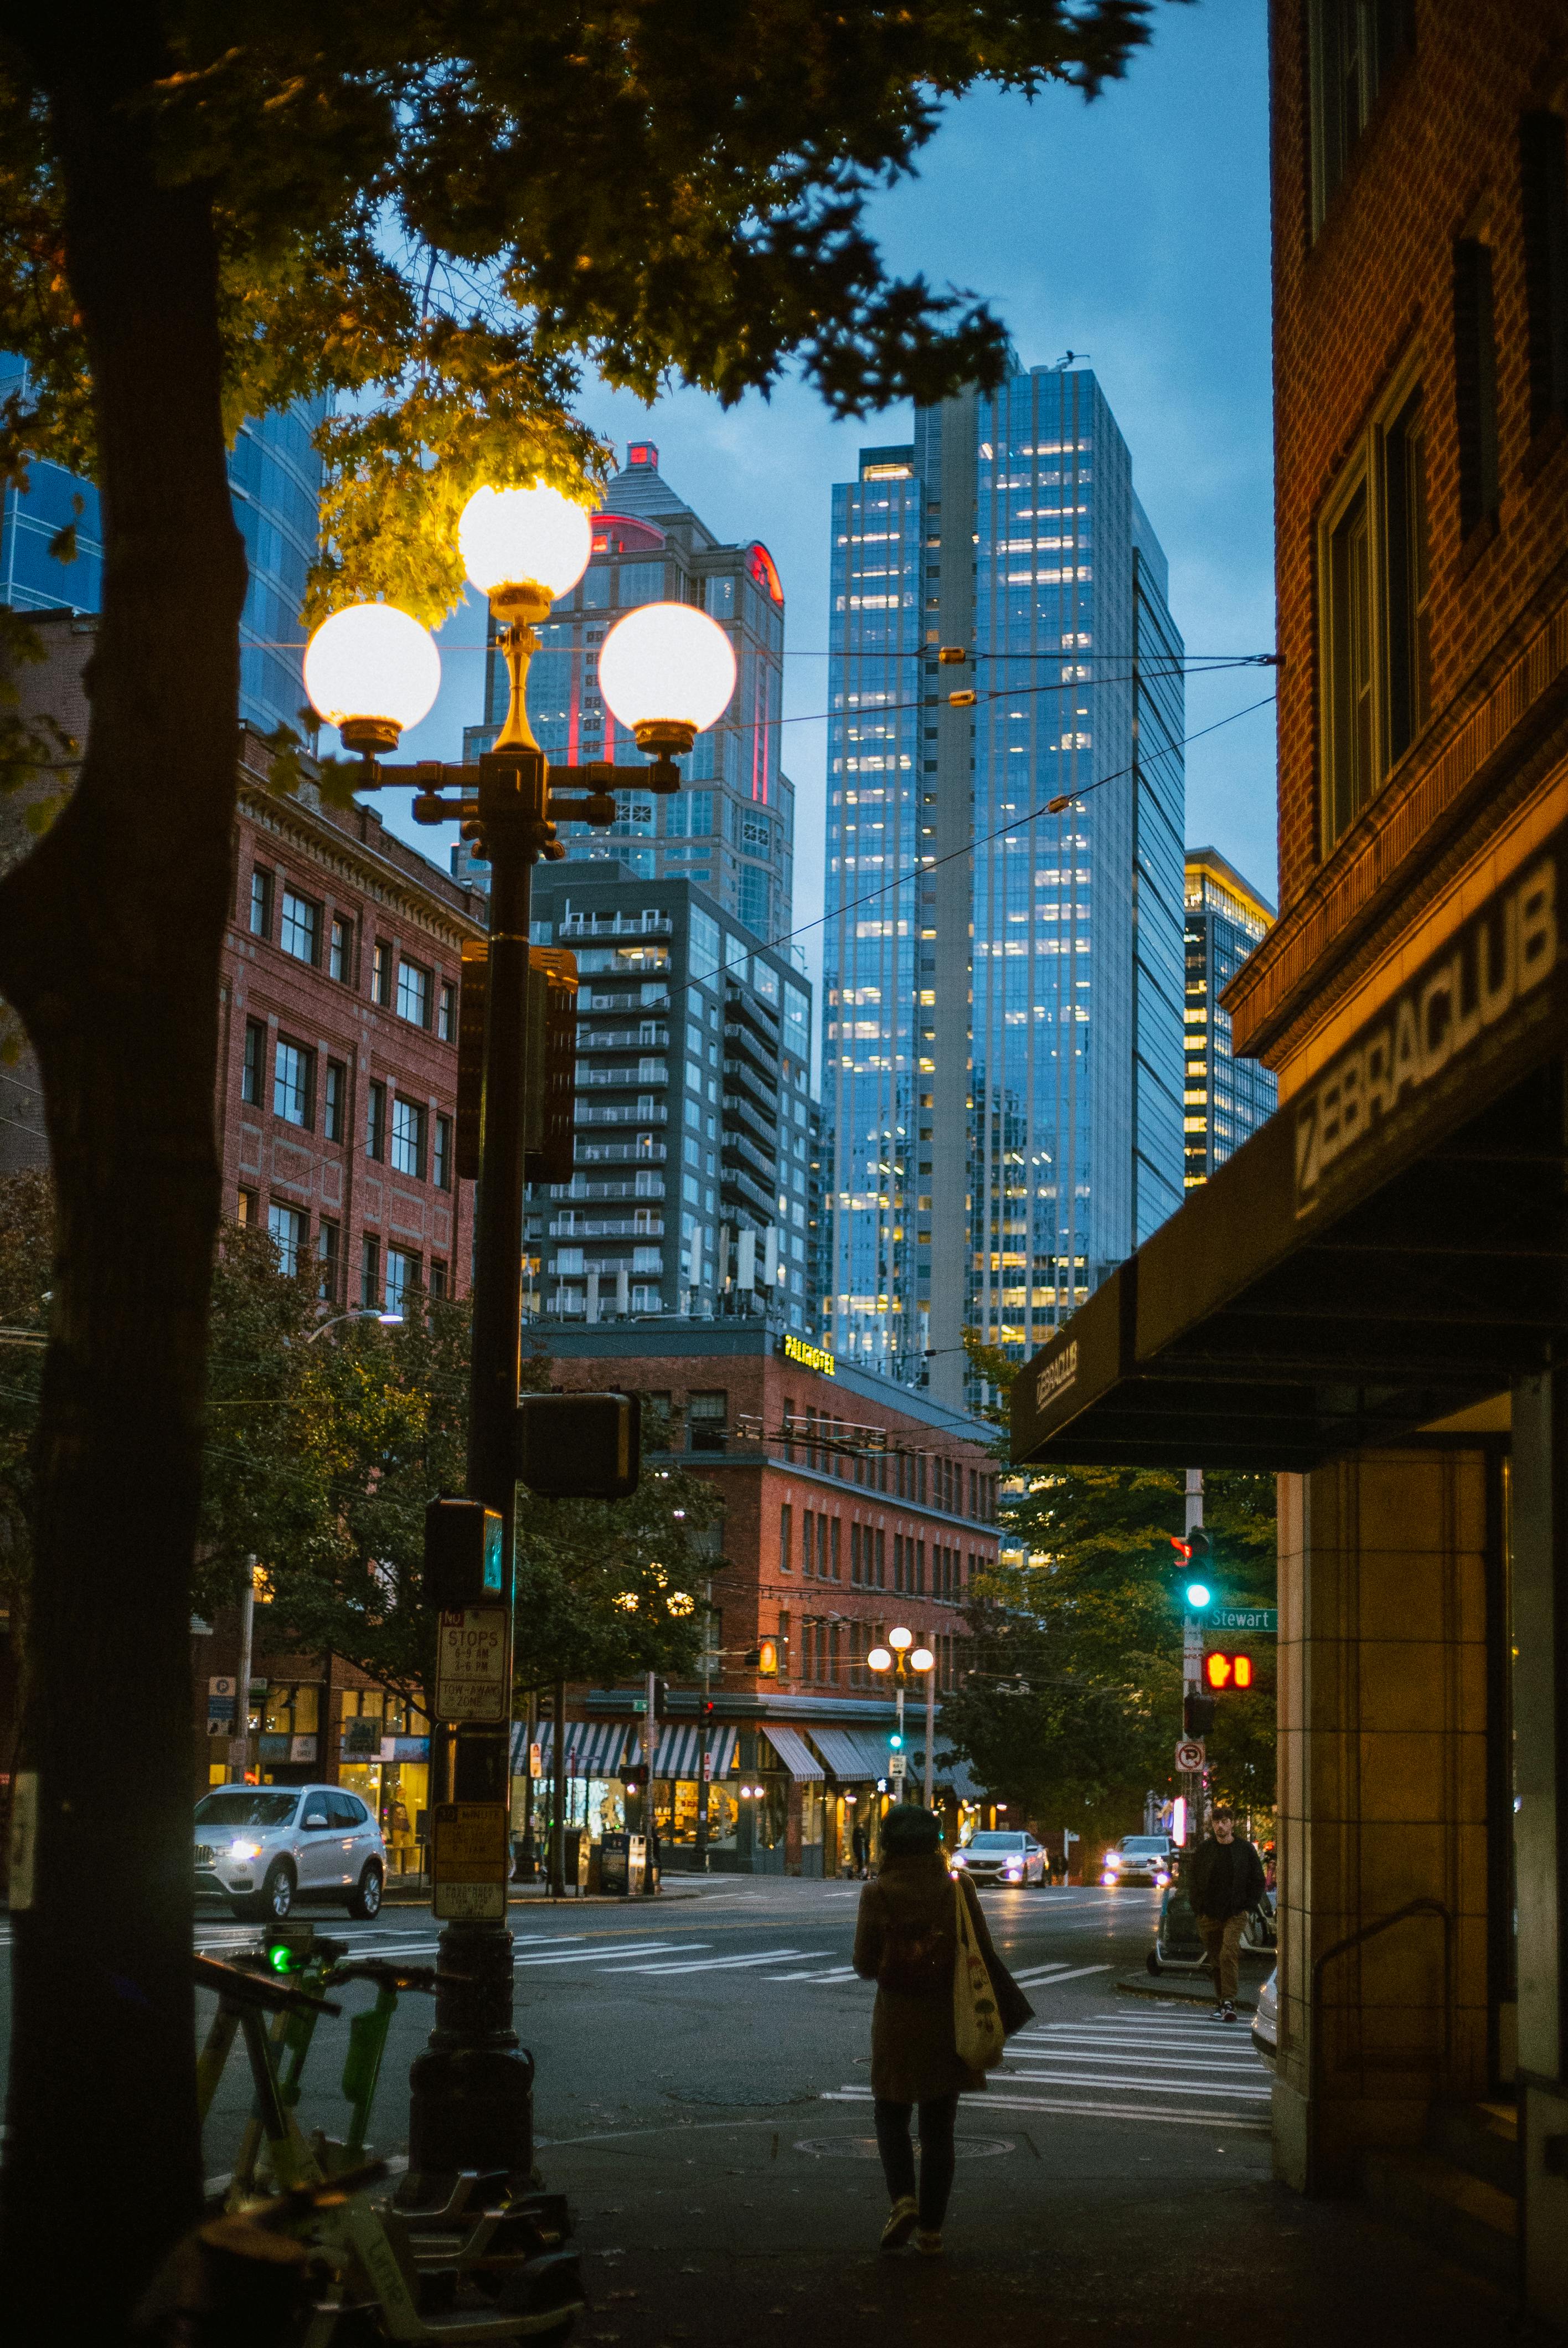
(702, 2096)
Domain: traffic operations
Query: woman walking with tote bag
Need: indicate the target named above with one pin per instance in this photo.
(907, 1940)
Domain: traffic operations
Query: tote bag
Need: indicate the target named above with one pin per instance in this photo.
(976, 2023)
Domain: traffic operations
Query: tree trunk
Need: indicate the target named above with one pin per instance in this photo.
(110, 941)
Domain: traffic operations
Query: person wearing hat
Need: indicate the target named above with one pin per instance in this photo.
(906, 1942)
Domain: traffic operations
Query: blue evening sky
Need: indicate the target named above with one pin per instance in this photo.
(1133, 231)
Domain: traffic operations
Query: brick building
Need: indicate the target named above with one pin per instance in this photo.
(1371, 1296)
(851, 1506)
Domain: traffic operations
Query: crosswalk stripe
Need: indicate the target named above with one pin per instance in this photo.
(1014, 2053)
(1074, 1972)
(838, 1972)
(720, 1965)
(1135, 2086)
(597, 1956)
(1100, 2111)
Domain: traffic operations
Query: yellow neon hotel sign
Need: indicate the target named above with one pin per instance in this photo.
(812, 1357)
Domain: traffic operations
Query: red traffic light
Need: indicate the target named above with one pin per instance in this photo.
(1183, 1548)
(1228, 1671)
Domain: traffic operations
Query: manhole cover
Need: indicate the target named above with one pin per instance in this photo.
(864, 2147)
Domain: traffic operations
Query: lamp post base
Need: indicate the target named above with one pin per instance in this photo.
(471, 2094)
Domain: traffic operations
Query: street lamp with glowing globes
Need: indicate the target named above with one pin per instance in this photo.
(905, 1660)
(667, 673)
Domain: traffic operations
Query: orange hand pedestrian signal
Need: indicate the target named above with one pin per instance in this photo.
(1228, 1671)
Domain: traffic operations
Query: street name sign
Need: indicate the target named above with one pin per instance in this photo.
(469, 1852)
(1262, 1621)
(473, 1665)
(1190, 1754)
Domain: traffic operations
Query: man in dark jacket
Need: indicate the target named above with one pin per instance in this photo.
(1226, 1884)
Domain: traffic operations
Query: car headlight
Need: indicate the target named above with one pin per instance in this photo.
(1108, 1875)
(1111, 1859)
(959, 1859)
(244, 1851)
(1012, 1873)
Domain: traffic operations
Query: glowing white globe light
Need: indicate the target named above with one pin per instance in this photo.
(512, 537)
(374, 664)
(900, 1640)
(880, 1659)
(667, 665)
(922, 1660)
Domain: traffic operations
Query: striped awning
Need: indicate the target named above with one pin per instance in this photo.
(598, 1748)
(794, 1752)
(953, 1774)
(852, 1754)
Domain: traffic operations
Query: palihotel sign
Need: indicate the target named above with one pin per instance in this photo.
(1483, 994)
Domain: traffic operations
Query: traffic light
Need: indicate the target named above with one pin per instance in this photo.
(763, 1659)
(660, 1699)
(465, 1559)
(634, 1777)
(1195, 1551)
(894, 1742)
(1198, 1714)
(548, 1108)
(579, 1446)
(1228, 1671)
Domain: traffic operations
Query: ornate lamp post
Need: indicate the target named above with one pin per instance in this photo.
(903, 1659)
(667, 671)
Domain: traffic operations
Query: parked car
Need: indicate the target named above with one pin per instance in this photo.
(1002, 1857)
(261, 1847)
(1138, 1859)
(1266, 2021)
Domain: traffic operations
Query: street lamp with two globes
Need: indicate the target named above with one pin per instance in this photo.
(667, 671)
(902, 1657)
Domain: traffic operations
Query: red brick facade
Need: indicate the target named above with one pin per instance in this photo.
(1372, 292)
(317, 893)
(894, 1533)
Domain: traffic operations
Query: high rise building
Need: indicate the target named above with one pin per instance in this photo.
(731, 829)
(1225, 1098)
(690, 1189)
(1002, 1047)
(275, 480)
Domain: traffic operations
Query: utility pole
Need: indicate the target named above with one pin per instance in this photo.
(240, 1743)
(558, 1796)
(929, 1787)
(1193, 1661)
(650, 1748)
(702, 1726)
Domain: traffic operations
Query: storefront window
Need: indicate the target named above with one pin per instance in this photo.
(769, 1811)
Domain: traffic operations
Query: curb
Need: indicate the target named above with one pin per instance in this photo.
(399, 1897)
(1178, 1993)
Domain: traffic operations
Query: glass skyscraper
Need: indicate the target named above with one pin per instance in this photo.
(275, 477)
(1225, 1098)
(1003, 982)
(731, 829)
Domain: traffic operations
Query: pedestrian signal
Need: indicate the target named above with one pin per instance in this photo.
(634, 1777)
(1198, 1714)
(1228, 1671)
(763, 1659)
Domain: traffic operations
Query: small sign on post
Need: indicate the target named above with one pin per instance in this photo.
(897, 1765)
(470, 1861)
(473, 1664)
(1191, 1755)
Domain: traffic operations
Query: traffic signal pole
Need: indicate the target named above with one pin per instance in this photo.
(1193, 1659)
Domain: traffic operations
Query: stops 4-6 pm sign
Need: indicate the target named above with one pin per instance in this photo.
(473, 1665)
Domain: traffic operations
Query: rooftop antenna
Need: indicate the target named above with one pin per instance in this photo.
(1067, 359)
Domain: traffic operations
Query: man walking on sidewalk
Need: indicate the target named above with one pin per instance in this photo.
(1226, 1885)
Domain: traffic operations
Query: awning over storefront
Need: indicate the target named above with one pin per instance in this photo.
(1390, 1249)
(954, 1775)
(594, 1748)
(852, 1754)
(794, 1752)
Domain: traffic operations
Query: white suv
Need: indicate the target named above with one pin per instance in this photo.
(261, 1847)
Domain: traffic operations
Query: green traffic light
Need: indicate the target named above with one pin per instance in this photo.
(1198, 1595)
(895, 1742)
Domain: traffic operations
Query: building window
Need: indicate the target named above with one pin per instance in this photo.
(300, 931)
(370, 1273)
(246, 1206)
(438, 1277)
(1475, 384)
(252, 1068)
(787, 1538)
(380, 974)
(1354, 46)
(328, 1262)
(834, 1562)
(293, 1083)
(287, 1227)
(408, 1138)
(415, 988)
(402, 1277)
(261, 904)
(441, 1157)
(340, 956)
(335, 1101)
(376, 1118)
(1543, 191)
(707, 1415)
(446, 1011)
(1374, 619)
